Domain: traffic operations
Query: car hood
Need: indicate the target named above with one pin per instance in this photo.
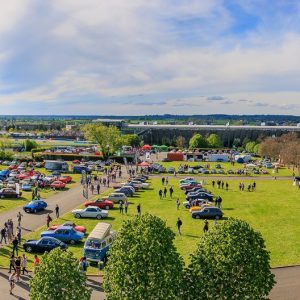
(32, 242)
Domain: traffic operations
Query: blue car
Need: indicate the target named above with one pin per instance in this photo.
(26, 187)
(65, 234)
(34, 206)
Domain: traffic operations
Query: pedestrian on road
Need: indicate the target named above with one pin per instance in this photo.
(49, 219)
(15, 244)
(3, 235)
(19, 234)
(205, 228)
(179, 224)
(12, 262)
(57, 211)
(18, 268)
(19, 216)
(92, 189)
(98, 188)
(126, 206)
(24, 264)
(177, 204)
(138, 208)
(11, 281)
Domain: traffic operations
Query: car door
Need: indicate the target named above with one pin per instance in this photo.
(43, 245)
(59, 234)
(90, 212)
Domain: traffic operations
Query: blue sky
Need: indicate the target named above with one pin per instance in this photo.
(149, 57)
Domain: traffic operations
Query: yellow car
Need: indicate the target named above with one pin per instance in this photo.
(199, 207)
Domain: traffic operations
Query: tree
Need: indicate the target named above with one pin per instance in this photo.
(214, 141)
(45, 286)
(249, 147)
(143, 263)
(132, 140)
(231, 262)
(180, 141)
(108, 137)
(197, 141)
(29, 145)
(5, 143)
(237, 143)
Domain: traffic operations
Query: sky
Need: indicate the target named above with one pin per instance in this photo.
(136, 57)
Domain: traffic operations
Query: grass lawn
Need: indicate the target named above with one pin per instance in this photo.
(226, 166)
(273, 209)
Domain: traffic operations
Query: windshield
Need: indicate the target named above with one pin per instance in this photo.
(96, 244)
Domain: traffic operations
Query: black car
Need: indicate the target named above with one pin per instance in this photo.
(195, 189)
(208, 213)
(200, 195)
(9, 193)
(43, 244)
(128, 192)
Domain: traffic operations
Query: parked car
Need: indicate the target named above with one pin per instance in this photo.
(90, 212)
(27, 187)
(65, 178)
(128, 192)
(208, 213)
(57, 185)
(186, 180)
(65, 234)
(80, 168)
(200, 195)
(140, 184)
(9, 193)
(34, 206)
(43, 244)
(190, 185)
(101, 203)
(71, 224)
(116, 197)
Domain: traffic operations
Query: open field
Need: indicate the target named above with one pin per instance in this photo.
(273, 209)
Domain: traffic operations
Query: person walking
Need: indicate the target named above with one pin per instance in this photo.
(15, 244)
(177, 204)
(19, 234)
(138, 208)
(57, 211)
(213, 183)
(36, 261)
(121, 208)
(92, 189)
(98, 188)
(24, 264)
(205, 228)
(83, 265)
(49, 219)
(3, 235)
(18, 268)
(226, 185)
(167, 180)
(160, 192)
(163, 180)
(19, 217)
(179, 224)
(12, 262)
(165, 192)
(11, 281)
(126, 204)
(171, 191)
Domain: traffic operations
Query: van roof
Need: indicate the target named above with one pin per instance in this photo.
(100, 231)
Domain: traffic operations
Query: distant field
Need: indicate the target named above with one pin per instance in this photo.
(273, 209)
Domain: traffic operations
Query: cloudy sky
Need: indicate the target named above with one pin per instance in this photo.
(149, 57)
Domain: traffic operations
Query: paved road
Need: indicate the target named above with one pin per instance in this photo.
(287, 287)
(66, 200)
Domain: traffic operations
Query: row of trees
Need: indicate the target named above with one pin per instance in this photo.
(285, 148)
(199, 141)
(231, 262)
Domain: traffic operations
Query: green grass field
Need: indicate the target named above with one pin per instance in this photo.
(273, 209)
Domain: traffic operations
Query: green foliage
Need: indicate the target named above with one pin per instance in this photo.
(198, 141)
(180, 141)
(249, 147)
(143, 262)
(29, 145)
(214, 141)
(108, 137)
(5, 143)
(231, 262)
(6, 155)
(237, 142)
(58, 278)
(131, 140)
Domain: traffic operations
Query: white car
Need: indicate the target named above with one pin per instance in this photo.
(50, 178)
(142, 185)
(90, 212)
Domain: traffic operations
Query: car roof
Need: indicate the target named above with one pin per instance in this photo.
(64, 227)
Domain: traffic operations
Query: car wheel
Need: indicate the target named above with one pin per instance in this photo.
(28, 249)
(188, 206)
(72, 242)
(77, 216)
(107, 207)
(99, 217)
(197, 217)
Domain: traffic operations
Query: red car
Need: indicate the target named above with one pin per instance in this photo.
(57, 184)
(65, 178)
(190, 186)
(101, 203)
(77, 228)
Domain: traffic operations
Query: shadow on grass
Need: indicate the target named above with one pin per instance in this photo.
(228, 208)
(192, 236)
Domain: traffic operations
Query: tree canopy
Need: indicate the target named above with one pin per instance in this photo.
(231, 262)
(71, 284)
(132, 140)
(143, 263)
(198, 141)
(108, 138)
(214, 141)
